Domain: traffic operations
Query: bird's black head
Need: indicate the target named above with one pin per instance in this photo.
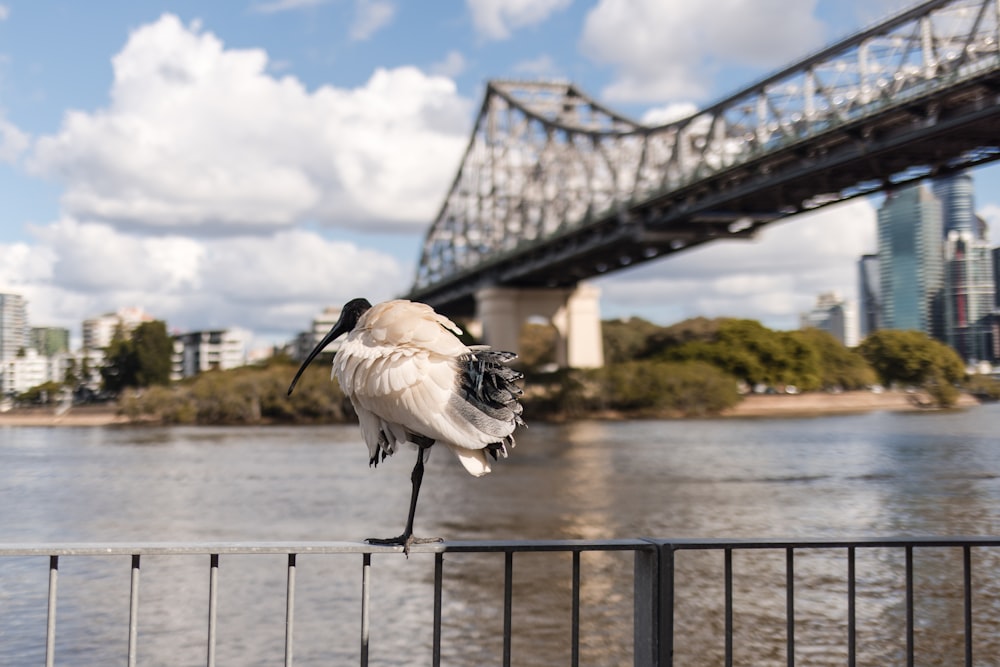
(349, 316)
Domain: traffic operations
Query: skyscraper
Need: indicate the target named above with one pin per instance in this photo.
(969, 295)
(969, 287)
(869, 293)
(955, 192)
(910, 260)
(13, 325)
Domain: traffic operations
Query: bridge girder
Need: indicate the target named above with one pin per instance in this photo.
(555, 188)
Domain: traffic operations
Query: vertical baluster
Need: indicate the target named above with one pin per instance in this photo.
(365, 592)
(851, 609)
(133, 612)
(508, 597)
(728, 574)
(50, 629)
(290, 611)
(438, 583)
(909, 606)
(213, 606)
(790, 603)
(575, 657)
(967, 581)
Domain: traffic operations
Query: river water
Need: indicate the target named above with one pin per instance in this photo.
(838, 477)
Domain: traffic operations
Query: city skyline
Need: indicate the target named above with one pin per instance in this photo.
(250, 163)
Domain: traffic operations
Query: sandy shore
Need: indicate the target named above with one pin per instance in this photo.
(779, 405)
(76, 416)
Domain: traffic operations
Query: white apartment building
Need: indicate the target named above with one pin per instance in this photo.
(13, 325)
(321, 325)
(199, 351)
(19, 374)
(99, 331)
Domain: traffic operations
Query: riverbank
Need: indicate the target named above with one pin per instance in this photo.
(89, 415)
(819, 403)
(754, 405)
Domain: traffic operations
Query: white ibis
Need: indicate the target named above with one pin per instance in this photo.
(411, 380)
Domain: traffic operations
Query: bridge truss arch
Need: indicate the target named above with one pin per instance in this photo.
(555, 187)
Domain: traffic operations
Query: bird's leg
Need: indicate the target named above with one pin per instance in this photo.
(407, 538)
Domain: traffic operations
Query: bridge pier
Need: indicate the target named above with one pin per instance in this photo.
(574, 312)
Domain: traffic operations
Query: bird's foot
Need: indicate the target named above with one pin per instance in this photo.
(404, 540)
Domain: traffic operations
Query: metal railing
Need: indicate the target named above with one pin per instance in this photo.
(676, 592)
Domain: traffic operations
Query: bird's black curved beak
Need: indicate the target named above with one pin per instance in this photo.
(348, 318)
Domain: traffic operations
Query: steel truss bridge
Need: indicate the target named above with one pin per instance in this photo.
(555, 188)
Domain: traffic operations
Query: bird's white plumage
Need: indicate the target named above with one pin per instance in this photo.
(398, 366)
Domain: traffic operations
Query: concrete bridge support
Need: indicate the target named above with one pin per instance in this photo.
(574, 312)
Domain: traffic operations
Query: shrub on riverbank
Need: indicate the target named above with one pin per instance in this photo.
(633, 388)
(808, 359)
(248, 395)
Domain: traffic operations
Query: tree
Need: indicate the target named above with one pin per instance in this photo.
(153, 348)
(537, 345)
(914, 358)
(140, 360)
(839, 366)
(748, 350)
(625, 340)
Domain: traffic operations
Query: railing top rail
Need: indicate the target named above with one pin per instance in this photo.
(476, 546)
(301, 548)
(808, 543)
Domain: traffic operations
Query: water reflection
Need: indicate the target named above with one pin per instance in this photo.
(853, 476)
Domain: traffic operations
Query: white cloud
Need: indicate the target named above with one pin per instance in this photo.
(4, 12)
(669, 50)
(271, 283)
(286, 5)
(452, 65)
(542, 67)
(23, 264)
(13, 141)
(297, 265)
(496, 19)
(669, 113)
(372, 16)
(200, 137)
(774, 277)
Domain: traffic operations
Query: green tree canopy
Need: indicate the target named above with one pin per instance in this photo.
(914, 358)
(911, 357)
(139, 360)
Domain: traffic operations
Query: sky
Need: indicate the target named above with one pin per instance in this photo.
(247, 163)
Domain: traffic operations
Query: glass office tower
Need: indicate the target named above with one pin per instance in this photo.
(911, 270)
(869, 293)
(969, 286)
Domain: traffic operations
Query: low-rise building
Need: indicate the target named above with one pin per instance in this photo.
(833, 315)
(199, 351)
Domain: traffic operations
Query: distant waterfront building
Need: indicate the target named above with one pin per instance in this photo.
(869, 293)
(996, 277)
(833, 315)
(955, 192)
(50, 341)
(911, 267)
(31, 369)
(321, 325)
(970, 295)
(13, 326)
(99, 331)
(199, 351)
(970, 291)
